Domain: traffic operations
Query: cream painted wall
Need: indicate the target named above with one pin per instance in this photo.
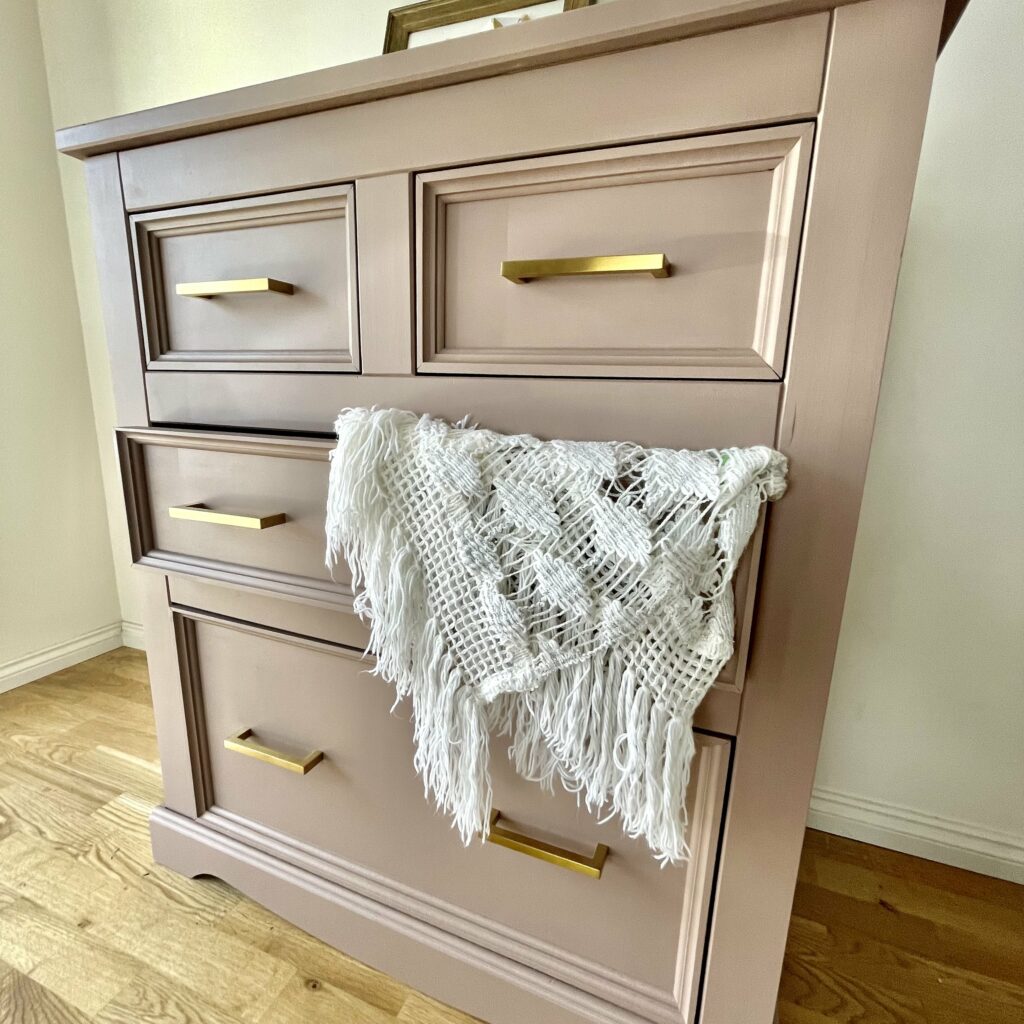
(58, 602)
(923, 743)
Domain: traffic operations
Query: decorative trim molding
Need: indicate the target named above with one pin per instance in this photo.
(148, 232)
(133, 635)
(362, 926)
(193, 847)
(59, 656)
(961, 844)
(783, 152)
(135, 485)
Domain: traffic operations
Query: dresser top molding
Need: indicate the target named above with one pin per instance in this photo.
(585, 32)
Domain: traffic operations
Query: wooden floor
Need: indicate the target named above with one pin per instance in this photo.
(92, 930)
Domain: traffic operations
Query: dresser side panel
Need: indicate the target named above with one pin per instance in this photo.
(117, 290)
(876, 94)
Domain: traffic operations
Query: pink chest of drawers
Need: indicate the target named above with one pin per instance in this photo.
(410, 231)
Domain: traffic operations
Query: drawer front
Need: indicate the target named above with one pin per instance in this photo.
(633, 937)
(267, 476)
(674, 259)
(254, 284)
(247, 605)
(234, 509)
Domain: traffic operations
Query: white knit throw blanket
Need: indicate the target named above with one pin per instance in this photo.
(575, 596)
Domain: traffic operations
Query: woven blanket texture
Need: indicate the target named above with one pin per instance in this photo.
(573, 596)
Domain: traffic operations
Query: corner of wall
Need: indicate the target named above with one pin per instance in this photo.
(60, 656)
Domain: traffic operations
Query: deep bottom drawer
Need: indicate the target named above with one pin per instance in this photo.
(634, 936)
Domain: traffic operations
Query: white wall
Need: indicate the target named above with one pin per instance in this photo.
(922, 749)
(58, 602)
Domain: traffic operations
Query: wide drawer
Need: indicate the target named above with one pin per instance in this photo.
(632, 938)
(234, 509)
(265, 283)
(196, 501)
(674, 259)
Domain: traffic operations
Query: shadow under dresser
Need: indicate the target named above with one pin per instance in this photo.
(675, 222)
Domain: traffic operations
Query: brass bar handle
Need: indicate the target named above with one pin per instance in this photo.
(241, 286)
(591, 866)
(243, 743)
(520, 271)
(202, 514)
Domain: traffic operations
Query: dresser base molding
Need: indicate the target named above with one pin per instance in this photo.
(476, 939)
(484, 983)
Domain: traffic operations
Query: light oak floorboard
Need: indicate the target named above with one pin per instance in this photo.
(314, 961)
(93, 932)
(878, 937)
(418, 1009)
(24, 1001)
(152, 998)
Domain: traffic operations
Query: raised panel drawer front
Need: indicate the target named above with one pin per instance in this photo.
(625, 946)
(253, 284)
(233, 509)
(674, 259)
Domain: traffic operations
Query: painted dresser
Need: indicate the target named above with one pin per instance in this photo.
(419, 230)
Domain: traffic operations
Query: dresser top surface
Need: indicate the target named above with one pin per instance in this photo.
(586, 32)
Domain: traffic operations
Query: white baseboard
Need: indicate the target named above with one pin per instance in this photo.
(962, 844)
(63, 655)
(132, 635)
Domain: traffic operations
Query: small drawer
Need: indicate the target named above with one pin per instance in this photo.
(674, 259)
(264, 283)
(232, 509)
(632, 937)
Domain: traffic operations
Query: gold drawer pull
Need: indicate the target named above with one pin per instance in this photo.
(520, 271)
(202, 514)
(241, 743)
(591, 866)
(208, 289)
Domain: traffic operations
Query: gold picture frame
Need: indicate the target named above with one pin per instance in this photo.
(403, 21)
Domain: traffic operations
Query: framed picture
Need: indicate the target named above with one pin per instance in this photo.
(431, 21)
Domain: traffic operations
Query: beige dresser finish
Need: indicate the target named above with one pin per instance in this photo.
(356, 236)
